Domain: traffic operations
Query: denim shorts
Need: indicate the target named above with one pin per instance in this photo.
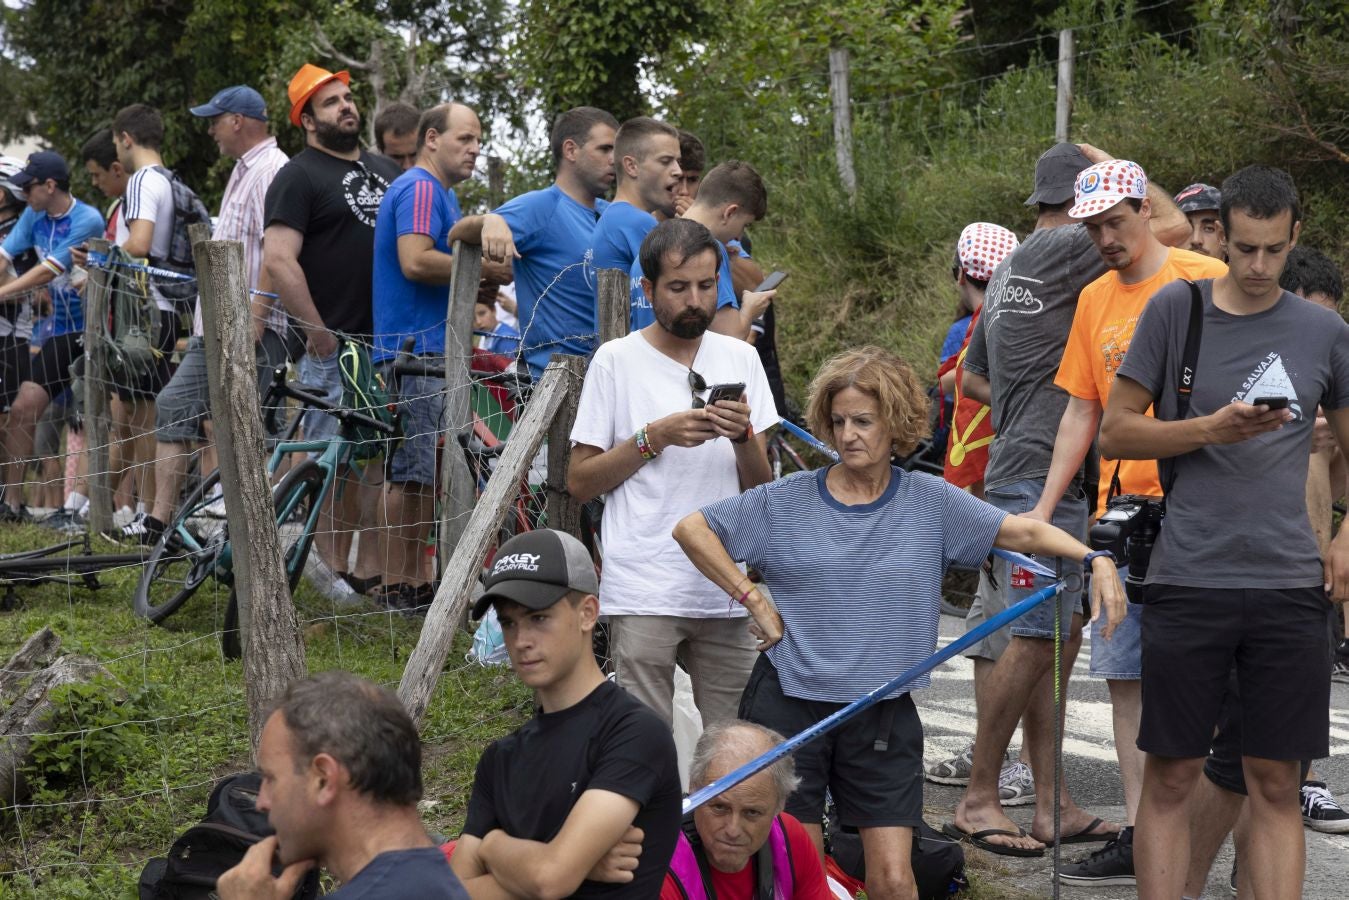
(1121, 657)
(324, 377)
(423, 402)
(1011, 584)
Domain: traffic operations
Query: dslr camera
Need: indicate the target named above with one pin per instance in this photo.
(1128, 528)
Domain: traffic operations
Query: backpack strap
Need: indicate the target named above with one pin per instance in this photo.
(1189, 365)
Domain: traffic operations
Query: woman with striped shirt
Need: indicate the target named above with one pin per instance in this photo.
(853, 555)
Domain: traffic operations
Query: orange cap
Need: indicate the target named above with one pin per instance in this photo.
(306, 81)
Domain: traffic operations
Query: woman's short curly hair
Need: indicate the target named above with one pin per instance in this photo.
(904, 405)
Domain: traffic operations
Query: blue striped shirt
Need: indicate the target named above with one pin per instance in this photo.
(858, 587)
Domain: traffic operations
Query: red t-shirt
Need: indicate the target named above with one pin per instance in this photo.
(807, 872)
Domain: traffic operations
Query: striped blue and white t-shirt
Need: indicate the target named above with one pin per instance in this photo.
(858, 587)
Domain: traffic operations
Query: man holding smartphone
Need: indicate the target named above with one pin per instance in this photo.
(1251, 592)
(672, 417)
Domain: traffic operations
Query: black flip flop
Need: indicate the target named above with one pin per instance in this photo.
(1088, 835)
(979, 839)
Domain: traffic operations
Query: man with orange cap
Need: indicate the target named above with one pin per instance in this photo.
(318, 250)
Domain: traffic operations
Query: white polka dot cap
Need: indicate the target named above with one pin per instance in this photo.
(1103, 185)
(981, 247)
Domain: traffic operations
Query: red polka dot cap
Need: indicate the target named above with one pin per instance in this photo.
(1103, 185)
(981, 247)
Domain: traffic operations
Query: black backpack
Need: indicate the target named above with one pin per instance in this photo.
(938, 861)
(187, 210)
(216, 843)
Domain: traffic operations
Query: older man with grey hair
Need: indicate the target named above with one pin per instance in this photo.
(741, 838)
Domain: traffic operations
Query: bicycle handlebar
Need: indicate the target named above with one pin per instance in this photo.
(281, 388)
(408, 364)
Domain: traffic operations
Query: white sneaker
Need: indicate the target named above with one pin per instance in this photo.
(1016, 785)
(123, 517)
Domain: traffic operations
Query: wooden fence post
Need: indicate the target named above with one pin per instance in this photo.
(423, 668)
(96, 386)
(841, 100)
(456, 481)
(564, 513)
(615, 304)
(273, 650)
(1063, 92)
(496, 181)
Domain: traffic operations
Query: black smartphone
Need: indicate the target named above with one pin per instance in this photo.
(725, 392)
(1272, 402)
(771, 282)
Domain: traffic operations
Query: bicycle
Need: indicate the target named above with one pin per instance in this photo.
(182, 560)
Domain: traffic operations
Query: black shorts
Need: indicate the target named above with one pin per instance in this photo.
(872, 788)
(16, 365)
(51, 365)
(146, 384)
(1223, 766)
(1275, 639)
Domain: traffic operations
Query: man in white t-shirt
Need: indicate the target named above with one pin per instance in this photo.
(647, 436)
(144, 230)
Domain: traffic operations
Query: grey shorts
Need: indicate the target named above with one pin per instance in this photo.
(325, 377)
(1011, 584)
(185, 402)
(423, 402)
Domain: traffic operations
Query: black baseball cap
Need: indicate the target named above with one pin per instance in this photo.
(1199, 196)
(42, 165)
(536, 569)
(1056, 172)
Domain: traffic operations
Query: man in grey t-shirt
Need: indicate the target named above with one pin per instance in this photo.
(1236, 576)
(1013, 356)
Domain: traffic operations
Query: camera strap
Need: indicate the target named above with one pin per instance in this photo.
(1189, 362)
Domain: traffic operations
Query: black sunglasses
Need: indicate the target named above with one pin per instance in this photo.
(696, 386)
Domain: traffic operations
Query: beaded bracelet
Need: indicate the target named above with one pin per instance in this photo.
(644, 447)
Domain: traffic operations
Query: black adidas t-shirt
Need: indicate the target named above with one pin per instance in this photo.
(528, 782)
(333, 202)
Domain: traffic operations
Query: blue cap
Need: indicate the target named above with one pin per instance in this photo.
(240, 99)
(41, 165)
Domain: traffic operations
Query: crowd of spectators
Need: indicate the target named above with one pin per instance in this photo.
(1184, 346)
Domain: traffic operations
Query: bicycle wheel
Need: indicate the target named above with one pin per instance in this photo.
(184, 556)
(957, 591)
(293, 500)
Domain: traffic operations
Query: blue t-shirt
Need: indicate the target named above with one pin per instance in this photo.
(618, 236)
(415, 203)
(955, 338)
(858, 587)
(503, 339)
(52, 239)
(421, 872)
(642, 312)
(554, 287)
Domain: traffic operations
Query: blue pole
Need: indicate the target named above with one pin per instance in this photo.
(702, 795)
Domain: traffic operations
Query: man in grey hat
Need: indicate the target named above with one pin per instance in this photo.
(1200, 204)
(584, 799)
(237, 119)
(1013, 356)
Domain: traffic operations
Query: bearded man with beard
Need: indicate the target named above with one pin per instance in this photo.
(649, 437)
(318, 251)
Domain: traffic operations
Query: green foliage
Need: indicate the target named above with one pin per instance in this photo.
(578, 53)
(94, 732)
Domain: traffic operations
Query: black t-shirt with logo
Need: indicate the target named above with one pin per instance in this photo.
(333, 202)
(528, 782)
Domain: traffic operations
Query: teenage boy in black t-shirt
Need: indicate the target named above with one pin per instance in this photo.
(584, 799)
(319, 251)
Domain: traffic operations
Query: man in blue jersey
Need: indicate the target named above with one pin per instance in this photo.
(412, 274)
(548, 233)
(646, 166)
(54, 223)
(731, 197)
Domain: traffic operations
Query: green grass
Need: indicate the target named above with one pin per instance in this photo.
(131, 778)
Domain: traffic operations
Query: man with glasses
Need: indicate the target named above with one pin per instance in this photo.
(651, 436)
(238, 124)
(318, 251)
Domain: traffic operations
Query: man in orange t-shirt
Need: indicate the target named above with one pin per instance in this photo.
(1112, 201)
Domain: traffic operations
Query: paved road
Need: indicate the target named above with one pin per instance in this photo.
(1089, 763)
